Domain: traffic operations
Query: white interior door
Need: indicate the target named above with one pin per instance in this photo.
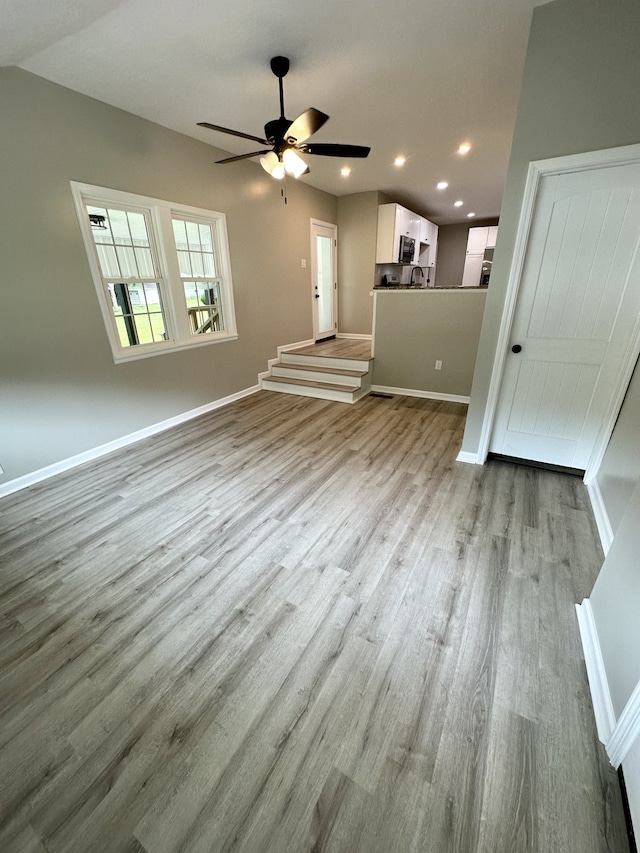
(324, 281)
(576, 316)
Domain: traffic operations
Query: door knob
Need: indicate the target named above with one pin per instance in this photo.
(516, 348)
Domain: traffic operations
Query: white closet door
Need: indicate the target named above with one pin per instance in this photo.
(576, 316)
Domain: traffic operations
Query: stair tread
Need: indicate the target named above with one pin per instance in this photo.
(337, 371)
(331, 386)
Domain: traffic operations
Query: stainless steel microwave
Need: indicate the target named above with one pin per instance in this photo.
(407, 249)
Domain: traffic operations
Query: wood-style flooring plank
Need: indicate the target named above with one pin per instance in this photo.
(298, 625)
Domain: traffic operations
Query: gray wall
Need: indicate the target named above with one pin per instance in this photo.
(619, 473)
(414, 329)
(452, 251)
(60, 392)
(615, 601)
(357, 235)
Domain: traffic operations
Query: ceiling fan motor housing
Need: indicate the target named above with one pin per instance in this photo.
(275, 130)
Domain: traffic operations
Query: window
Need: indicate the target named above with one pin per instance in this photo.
(161, 271)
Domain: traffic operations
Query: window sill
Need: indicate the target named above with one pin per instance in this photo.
(150, 350)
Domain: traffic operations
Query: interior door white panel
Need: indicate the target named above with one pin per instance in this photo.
(576, 315)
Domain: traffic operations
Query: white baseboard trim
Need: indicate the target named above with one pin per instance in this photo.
(465, 456)
(427, 395)
(596, 673)
(96, 452)
(287, 347)
(354, 337)
(626, 731)
(601, 516)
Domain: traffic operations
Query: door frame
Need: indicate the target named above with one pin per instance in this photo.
(538, 169)
(314, 273)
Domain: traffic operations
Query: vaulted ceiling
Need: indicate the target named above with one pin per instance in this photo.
(412, 78)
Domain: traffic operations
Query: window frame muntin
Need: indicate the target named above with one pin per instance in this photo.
(161, 238)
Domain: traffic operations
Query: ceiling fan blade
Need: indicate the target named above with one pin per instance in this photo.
(244, 156)
(305, 125)
(232, 132)
(330, 150)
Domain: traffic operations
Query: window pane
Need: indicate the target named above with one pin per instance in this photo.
(138, 228)
(196, 263)
(184, 263)
(206, 238)
(198, 239)
(209, 266)
(108, 261)
(193, 235)
(127, 261)
(145, 262)
(119, 227)
(180, 234)
(204, 306)
(137, 308)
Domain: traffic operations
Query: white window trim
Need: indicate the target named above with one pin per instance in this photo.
(176, 316)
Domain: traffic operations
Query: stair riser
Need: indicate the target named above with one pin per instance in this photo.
(316, 375)
(319, 393)
(320, 361)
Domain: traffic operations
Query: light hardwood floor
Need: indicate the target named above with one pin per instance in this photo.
(337, 348)
(296, 625)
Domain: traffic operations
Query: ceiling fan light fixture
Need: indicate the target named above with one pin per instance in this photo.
(272, 165)
(293, 163)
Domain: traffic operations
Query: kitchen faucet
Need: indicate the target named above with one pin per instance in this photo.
(411, 281)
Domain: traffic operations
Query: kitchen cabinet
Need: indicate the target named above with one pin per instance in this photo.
(394, 221)
(428, 232)
(477, 240)
(472, 270)
(428, 248)
(480, 244)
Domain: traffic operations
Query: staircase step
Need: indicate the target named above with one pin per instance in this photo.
(322, 361)
(341, 393)
(330, 375)
(326, 377)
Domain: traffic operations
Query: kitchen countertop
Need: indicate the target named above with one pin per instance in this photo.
(406, 288)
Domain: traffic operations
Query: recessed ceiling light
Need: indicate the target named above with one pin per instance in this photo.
(399, 161)
(470, 214)
(442, 185)
(458, 203)
(464, 148)
(345, 171)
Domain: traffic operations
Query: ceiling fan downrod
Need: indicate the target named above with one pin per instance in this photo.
(280, 67)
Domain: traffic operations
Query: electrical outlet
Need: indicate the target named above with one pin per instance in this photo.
(438, 365)
(303, 263)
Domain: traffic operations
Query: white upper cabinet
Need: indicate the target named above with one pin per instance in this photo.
(480, 239)
(428, 232)
(477, 240)
(395, 221)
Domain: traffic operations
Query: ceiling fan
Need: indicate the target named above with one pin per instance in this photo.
(288, 139)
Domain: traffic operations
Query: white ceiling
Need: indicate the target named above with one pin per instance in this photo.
(410, 77)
